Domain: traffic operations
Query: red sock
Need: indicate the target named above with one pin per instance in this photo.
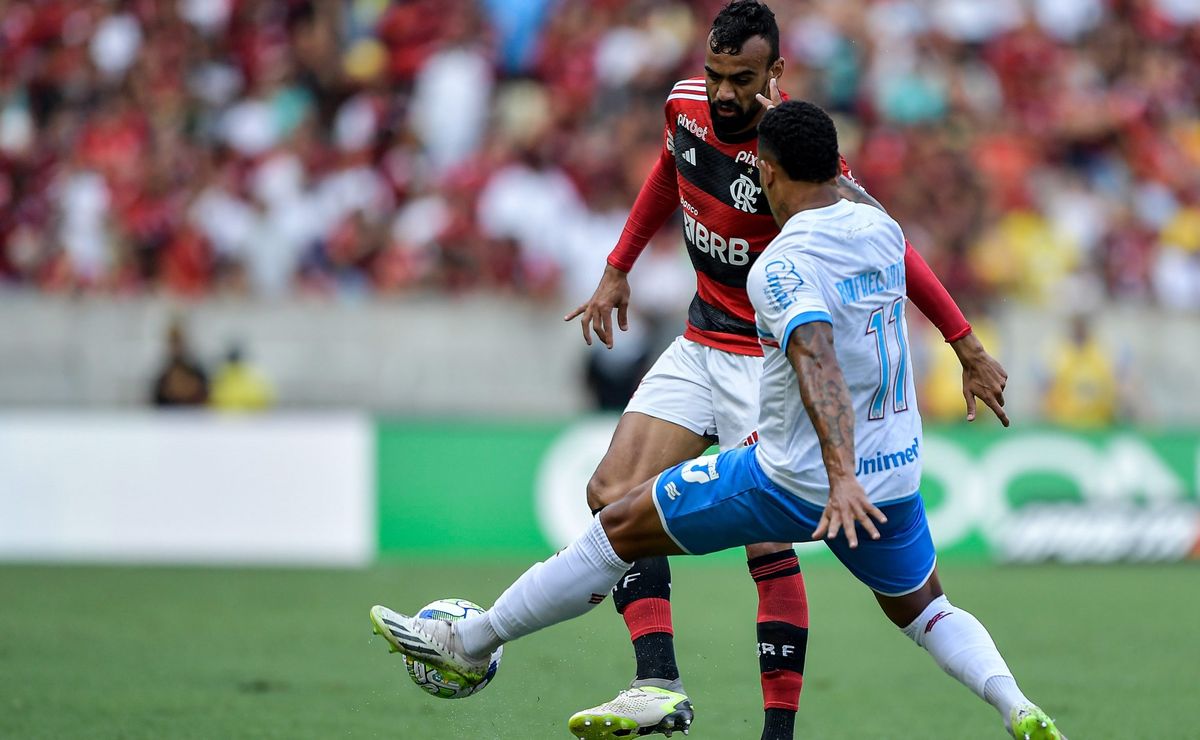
(782, 628)
(642, 597)
(645, 616)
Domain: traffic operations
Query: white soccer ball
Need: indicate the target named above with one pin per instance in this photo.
(447, 684)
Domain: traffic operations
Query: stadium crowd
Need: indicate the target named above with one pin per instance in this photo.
(1034, 150)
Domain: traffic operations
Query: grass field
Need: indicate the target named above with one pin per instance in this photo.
(203, 653)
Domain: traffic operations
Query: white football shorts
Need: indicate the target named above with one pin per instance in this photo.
(709, 391)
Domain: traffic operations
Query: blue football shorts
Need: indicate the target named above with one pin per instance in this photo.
(720, 501)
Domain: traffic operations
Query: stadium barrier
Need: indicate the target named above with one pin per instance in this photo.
(344, 489)
(478, 357)
(1015, 495)
(187, 488)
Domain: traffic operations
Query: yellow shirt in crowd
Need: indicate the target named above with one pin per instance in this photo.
(1083, 386)
(238, 387)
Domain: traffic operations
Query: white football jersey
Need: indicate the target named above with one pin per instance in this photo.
(843, 264)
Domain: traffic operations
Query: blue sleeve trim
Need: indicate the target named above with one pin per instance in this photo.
(800, 319)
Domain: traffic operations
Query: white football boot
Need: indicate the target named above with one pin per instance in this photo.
(431, 641)
(1028, 722)
(640, 710)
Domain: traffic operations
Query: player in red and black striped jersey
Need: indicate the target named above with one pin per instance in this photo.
(704, 387)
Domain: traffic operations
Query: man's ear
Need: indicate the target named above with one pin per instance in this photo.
(776, 69)
(766, 172)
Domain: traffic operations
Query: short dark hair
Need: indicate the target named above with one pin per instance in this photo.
(741, 20)
(803, 139)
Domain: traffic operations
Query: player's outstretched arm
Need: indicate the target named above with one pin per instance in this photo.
(656, 201)
(827, 400)
(983, 376)
(611, 293)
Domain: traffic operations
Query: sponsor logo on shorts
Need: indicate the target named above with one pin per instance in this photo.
(672, 490)
(700, 470)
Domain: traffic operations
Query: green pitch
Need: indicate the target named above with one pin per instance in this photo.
(203, 653)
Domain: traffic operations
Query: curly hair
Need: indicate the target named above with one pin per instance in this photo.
(740, 21)
(803, 139)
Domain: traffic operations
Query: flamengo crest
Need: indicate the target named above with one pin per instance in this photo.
(744, 193)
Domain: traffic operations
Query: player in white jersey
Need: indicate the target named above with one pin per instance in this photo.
(842, 453)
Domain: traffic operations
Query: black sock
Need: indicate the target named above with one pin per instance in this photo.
(779, 724)
(643, 598)
(656, 656)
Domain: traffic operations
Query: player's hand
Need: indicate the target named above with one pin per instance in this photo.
(983, 377)
(612, 292)
(847, 506)
(776, 97)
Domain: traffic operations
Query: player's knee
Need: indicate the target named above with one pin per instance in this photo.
(632, 526)
(766, 548)
(602, 491)
(903, 610)
(619, 522)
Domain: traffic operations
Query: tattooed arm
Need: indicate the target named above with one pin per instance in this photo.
(827, 400)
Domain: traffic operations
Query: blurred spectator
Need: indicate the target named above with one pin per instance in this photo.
(182, 381)
(1083, 389)
(349, 149)
(612, 375)
(451, 98)
(939, 373)
(238, 386)
(660, 288)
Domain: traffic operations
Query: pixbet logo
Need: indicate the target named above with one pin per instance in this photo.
(690, 124)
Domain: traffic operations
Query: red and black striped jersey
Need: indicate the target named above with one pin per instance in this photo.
(727, 222)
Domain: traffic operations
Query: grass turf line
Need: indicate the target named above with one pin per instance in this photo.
(244, 653)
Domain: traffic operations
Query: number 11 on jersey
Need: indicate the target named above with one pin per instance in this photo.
(897, 385)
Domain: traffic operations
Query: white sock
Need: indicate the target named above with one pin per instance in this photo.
(964, 649)
(555, 590)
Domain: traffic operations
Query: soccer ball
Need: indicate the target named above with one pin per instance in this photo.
(447, 684)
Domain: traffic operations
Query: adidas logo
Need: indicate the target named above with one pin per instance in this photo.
(690, 156)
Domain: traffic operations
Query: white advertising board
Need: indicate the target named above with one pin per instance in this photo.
(187, 488)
